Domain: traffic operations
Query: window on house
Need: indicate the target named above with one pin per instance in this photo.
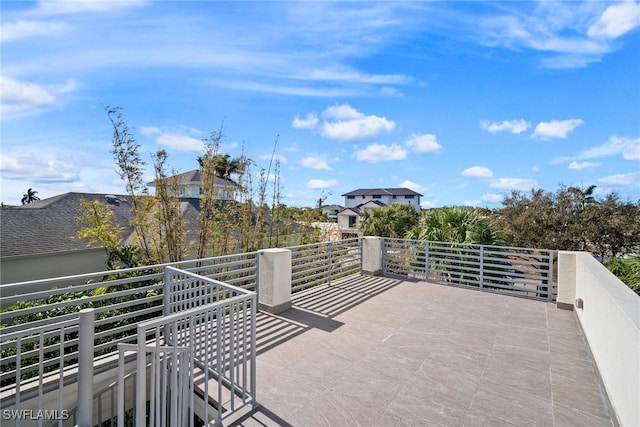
(352, 221)
(394, 196)
(409, 196)
(201, 191)
(377, 196)
(351, 197)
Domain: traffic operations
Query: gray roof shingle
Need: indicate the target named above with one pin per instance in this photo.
(382, 192)
(51, 225)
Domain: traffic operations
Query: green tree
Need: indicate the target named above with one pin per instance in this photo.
(30, 197)
(394, 220)
(131, 169)
(224, 166)
(100, 227)
(627, 270)
(571, 219)
(457, 225)
(170, 234)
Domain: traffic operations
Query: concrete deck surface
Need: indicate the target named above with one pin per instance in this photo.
(374, 351)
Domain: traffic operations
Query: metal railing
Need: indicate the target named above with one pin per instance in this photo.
(320, 263)
(217, 335)
(34, 364)
(121, 299)
(516, 271)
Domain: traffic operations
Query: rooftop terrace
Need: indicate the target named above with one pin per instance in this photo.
(369, 332)
(375, 351)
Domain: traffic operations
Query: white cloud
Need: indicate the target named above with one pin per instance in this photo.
(424, 144)
(22, 29)
(342, 112)
(278, 157)
(39, 166)
(574, 34)
(478, 172)
(177, 137)
(348, 124)
(375, 153)
(619, 180)
(20, 94)
(583, 165)
(315, 161)
(513, 126)
(556, 128)
(616, 20)
(343, 74)
(472, 203)
(518, 184)
(321, 183)
(59, 7)
(632, 150)
(309, 122)
(492, 198)
(614, 145)
(180, 142)
(150, 130)
(413, 186)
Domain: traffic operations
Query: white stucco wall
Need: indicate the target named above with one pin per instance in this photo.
(610, 319)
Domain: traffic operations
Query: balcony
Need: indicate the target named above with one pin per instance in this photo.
(358, 332)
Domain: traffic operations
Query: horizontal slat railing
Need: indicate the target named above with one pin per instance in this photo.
(320, 263)
(516, 271)
(121, 299)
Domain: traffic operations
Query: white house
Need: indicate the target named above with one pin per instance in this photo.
(190, 185)
(361, 201)
(386, 196)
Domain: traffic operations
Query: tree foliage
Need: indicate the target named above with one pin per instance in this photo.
(571, 219)
(29, 197)
(170, 233)
(457, 225)
(627, 270)
(394, 220)
(131, 169)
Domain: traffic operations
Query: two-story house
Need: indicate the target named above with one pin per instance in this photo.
(359, 202)
(190, 185)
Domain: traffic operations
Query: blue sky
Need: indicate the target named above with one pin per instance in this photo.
(461, 101)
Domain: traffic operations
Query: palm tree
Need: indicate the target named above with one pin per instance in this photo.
(585, 195)
(30, 196)
(394, 221)
(224, 166)
(457, 225)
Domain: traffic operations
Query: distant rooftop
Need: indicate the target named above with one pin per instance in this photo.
(383, 192)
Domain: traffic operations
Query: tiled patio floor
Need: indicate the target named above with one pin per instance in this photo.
(372, 351)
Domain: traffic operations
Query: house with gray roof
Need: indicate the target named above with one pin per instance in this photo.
(386, 196)
(40, 239)
(361, 201)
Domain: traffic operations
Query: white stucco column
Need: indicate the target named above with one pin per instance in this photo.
(566, 280)
(274, 280)
(372, 256)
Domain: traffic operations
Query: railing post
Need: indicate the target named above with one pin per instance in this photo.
(426, 260)
(274, 280)
(329, 263)
(372, 256)
(481, 266)
(550, 287)
(85, 368)
(166, 291)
